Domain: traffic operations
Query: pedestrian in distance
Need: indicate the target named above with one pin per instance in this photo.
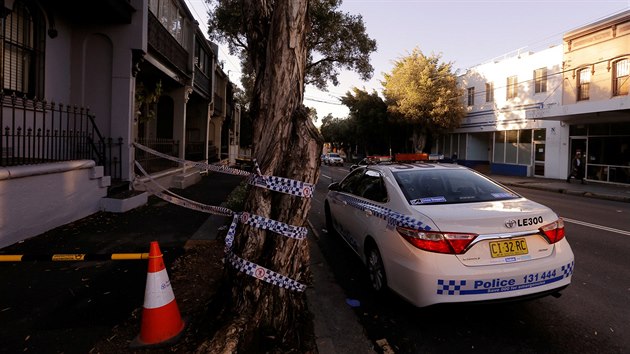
(577, 167)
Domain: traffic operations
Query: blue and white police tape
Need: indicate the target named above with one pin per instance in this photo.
(393, 218)
(263, 273)
(257, 221)
(274, 183)
(173, 198)
(296, 232)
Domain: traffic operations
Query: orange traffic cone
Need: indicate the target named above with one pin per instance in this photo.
(161, 320)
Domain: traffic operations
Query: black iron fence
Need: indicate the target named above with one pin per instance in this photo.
(152, 163)
(35, 132)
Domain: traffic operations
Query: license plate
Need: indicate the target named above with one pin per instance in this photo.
(506, 248)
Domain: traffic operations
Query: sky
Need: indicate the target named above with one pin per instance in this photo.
(463, 32)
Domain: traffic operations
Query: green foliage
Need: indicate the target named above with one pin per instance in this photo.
(337, 41)
(339, 132)
(146, 101)
(236, 200)
(368, 130)
(422, 91)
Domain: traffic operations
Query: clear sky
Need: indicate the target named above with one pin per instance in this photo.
(464, 32)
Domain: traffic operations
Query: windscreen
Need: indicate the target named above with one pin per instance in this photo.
(422, 187)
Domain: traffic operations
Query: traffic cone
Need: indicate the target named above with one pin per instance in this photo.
(161, 320)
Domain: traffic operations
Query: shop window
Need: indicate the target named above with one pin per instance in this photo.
(524, 146)
(499, 146)
(511, 146)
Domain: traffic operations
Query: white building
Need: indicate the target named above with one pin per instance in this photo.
(502, 132)
(528, 113)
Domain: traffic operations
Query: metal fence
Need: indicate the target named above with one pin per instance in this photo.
(35, 132)
(152, 163)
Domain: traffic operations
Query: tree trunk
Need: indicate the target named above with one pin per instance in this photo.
(257, 316)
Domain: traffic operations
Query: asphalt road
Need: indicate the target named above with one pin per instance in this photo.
(590, 317)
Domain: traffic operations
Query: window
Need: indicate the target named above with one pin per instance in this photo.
(584, 80)
(171, 18)
(622, 73)
(540, 80)
(511, 87)
(22, 51)
(365, 183)
(471, 96)
(514, 146)
(202, 59)
(489, 92)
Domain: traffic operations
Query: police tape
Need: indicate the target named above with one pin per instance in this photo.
(257, 221)
(73, 257)
(264, 274)
(393, 218)
(274, 183)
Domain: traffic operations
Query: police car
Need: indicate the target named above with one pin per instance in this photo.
(443, 233)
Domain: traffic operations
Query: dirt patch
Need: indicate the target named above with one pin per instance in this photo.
(195, 279)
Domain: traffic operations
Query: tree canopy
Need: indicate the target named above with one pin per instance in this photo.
(368, 129)
(423, 91)
(336, 40)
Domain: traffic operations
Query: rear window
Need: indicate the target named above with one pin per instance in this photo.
(422, 187)
(333, 155)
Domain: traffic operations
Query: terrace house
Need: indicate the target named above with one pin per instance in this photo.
(83, 83)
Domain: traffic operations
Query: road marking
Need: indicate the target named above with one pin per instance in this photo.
(595, 226)
(327, 176)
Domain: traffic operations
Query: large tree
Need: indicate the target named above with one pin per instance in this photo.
(273, 40)
(335, 41)
(423, 92)
(370, 120)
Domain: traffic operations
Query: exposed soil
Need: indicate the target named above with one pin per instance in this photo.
(195, 278)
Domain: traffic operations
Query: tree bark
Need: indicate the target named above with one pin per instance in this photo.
(258, 316)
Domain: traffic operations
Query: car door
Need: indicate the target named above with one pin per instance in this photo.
(343, 205)
(368, 213)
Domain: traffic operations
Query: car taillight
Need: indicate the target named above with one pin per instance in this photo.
(441, 242)
(554, 232)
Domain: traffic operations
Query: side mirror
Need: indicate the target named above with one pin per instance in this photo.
(333, 186)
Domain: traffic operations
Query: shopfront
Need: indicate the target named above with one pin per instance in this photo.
(607, 149)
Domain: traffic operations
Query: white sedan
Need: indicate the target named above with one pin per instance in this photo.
(443, 233)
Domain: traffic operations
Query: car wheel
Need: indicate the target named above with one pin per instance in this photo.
(376, 270)
(329, 222)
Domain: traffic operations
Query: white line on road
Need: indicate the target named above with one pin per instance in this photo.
(327, 176)
(595, 226)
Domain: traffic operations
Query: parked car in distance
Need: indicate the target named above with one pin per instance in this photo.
(443, 233)
(333, 158)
